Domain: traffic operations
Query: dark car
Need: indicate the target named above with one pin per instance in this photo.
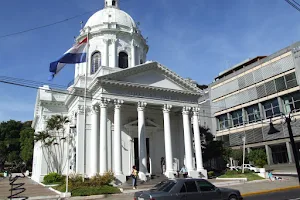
(188, 189)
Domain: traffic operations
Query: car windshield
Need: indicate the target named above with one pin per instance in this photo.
(166, 186)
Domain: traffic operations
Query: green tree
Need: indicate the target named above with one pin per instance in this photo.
(27, 142)
(258, 157)
(10, 143)
(237, 154)
(212, 149)
(53, 142)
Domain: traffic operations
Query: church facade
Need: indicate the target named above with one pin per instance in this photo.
(134, 113)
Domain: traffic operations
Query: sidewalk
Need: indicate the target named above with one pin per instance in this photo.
(33, 189)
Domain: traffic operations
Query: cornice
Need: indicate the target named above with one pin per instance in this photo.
(136, 85)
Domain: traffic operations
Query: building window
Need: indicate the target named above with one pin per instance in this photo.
(223, 122)
(95, 62)
(113, 3)
(271, 108)
(291, 80)
(237, 118)
(123, 60)
(291, 102)
(253, 113)
(141, 61)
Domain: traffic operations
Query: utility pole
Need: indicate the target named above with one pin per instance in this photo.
(295, 152)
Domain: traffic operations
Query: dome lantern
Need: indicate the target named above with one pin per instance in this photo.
(111, 3)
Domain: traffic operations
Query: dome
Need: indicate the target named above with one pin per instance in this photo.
(110, 15)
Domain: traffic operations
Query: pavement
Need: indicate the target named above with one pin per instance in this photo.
(32, 190)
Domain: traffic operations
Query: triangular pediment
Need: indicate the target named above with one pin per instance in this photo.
(152, 74)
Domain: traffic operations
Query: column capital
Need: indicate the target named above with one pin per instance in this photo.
(196, 111)
(104, 102)
(167, 108)
(141, 106)
(113, 40)
(105, 40)
(118, 103)
(95, 109)
(80, 109)
(186, 110)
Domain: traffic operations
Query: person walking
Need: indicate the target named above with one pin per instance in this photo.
(184, 171)
(134, 175)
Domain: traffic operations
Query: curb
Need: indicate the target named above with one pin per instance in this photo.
(268, 191)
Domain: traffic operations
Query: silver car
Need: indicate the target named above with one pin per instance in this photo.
(188, 189)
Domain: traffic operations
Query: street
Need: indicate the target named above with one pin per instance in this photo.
(284, 195)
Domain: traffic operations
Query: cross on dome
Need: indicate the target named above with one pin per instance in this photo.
(111, 3)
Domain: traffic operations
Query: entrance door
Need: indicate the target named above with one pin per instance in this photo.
(136, 154)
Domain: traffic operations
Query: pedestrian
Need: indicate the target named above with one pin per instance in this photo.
(162, 164)
(184, 171)
(134, 175)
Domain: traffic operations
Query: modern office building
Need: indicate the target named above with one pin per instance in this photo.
(246, 97)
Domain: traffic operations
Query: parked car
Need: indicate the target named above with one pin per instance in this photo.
(251, 167)
(188, 189)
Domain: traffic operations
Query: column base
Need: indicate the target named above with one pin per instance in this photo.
(198, 174)
(170, 174)
(121, 178)
(142, 176)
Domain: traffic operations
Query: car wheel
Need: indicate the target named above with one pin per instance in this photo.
(233, 197)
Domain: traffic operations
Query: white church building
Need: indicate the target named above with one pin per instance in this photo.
(136, 111)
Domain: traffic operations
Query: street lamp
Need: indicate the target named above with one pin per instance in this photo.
(273, 130)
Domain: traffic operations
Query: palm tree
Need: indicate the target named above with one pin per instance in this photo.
(53, 139)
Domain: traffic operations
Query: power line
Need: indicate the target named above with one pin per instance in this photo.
(293, 5)
(22, 84)
(47, 25)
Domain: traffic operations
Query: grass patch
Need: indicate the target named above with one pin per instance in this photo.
(88, 190)
(249, 176)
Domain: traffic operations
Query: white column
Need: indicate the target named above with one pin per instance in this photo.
(94, 141)
(103, 135)
(105, 53)
(168, 142)
(269, 155)
(114, 53)
(133, 56)
(142, 141)
(117, 151)
(197, 139)
(187, 138)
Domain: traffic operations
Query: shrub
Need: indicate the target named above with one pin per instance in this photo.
(1, 175)
(86, 191)
(99, 180)
(53, 178)
(211, 174)
(259, 157)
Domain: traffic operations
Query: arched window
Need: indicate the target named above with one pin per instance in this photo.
(123, 60)
(113, 3)
(95, 62)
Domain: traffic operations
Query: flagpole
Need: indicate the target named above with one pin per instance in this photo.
(85, 97)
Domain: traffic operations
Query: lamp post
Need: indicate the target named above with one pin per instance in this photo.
(273, 130)
(244, 152)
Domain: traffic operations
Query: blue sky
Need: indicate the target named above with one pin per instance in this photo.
(195, 38)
